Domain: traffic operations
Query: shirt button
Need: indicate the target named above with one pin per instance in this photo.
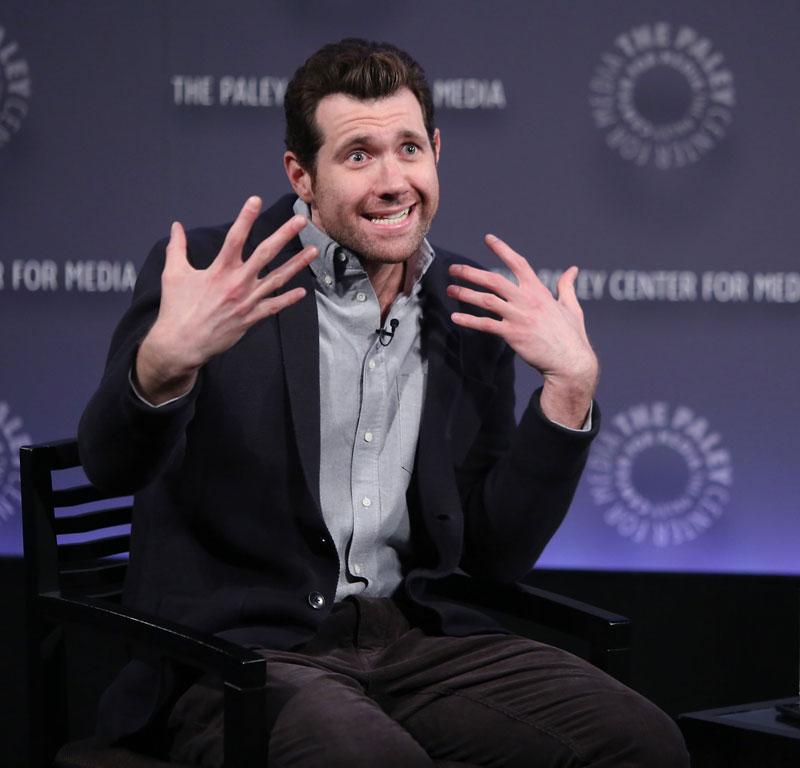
(341, 255)
(356, 569)
(368, 436)
(361, 296)
(366, 501)
(371, 365)
(328, 280)
(316, 600)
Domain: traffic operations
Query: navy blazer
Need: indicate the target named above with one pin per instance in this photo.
(228, 535)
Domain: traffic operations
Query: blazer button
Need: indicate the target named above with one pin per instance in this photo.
(316, 600)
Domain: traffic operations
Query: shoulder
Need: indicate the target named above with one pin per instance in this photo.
(478, 349)
(438, 275)
(446, 258)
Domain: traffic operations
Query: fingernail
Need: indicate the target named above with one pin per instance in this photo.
(172, 228)
(254, 202)
(490, 236)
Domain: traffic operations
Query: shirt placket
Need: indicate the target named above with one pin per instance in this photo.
(365, 478)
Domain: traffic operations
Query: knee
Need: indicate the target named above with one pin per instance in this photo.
(338, 744)
(350, 753)
(640, 735)
(384, 751)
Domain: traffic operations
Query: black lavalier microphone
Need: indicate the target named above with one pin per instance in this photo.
(384, 333)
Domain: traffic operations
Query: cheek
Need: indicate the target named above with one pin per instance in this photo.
(335, 195)
(432, 187)
(431, 180)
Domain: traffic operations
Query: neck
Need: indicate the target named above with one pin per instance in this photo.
(387, 280)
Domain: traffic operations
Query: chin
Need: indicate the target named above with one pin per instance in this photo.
(383, 255)
(390, 250)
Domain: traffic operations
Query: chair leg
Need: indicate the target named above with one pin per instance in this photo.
(246, 738)
(47, 704)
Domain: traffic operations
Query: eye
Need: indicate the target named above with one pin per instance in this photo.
(410, 149)
(357, 156)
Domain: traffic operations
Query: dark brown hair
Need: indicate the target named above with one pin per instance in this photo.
(357, 68)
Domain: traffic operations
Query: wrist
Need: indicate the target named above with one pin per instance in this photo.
(567, 397)
(162, 370)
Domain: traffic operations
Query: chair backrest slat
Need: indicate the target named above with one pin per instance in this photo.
(79, 540)
(89, 551)
(94, 520)
(79, 494)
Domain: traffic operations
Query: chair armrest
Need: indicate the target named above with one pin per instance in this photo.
(234, 664)
(243, 671)
(539, 606)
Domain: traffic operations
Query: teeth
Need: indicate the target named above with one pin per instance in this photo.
(393, 219)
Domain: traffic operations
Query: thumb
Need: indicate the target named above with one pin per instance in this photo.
(176, 248)
(566, 289)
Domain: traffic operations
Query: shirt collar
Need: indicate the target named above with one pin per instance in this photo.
(336, 261)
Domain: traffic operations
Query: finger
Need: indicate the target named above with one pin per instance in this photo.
(517, 263)
(274, 304)
(285, 272)
(479, 299)
(269, 248)
(498, 284)
(485, 324)
(565, 289)
(231, 251)
(176, 249)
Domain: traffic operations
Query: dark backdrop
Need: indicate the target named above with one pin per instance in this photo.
(653, 144)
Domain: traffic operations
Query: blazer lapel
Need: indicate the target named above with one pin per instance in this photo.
(299, 334)
(298, 328)
(434, 490)
(441, 345)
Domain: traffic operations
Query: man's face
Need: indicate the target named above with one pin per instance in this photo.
(375, 189)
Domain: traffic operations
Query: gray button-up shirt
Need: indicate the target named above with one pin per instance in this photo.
(371, 394)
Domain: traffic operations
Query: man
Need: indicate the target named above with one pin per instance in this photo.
(315, 411)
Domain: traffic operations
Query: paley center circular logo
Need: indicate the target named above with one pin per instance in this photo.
(12, 438)
(662, 95)
(661, 474)
(15, 87)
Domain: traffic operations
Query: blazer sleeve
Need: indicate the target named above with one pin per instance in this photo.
(517, 481)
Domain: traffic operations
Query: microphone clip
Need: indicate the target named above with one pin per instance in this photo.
(382, 333)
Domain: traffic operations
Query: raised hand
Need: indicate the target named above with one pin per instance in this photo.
(547, 333)
(206, 311)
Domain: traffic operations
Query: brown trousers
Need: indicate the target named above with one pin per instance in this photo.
(371, 691)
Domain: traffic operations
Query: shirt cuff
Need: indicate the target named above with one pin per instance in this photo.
(146, 401)
(587, 425)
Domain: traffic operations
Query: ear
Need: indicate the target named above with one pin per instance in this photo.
(437, 144)
(299, 177)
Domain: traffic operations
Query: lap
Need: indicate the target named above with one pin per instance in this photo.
(487, 700)
(506, 700)
(315, 717)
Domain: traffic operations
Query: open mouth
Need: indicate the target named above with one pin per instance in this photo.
(390, 219)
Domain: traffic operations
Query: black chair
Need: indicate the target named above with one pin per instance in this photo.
(79, 582)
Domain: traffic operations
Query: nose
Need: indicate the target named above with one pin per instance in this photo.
(391, 182)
